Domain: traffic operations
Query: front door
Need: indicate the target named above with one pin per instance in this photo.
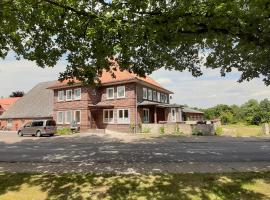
(173, 113)
(145, 115)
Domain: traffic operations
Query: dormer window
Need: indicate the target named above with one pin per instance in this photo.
(110, 93)
(121, 90)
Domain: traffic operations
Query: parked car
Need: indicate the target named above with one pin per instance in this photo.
(38, 128)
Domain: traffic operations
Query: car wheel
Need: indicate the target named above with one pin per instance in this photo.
(38, 134)
(20, 133)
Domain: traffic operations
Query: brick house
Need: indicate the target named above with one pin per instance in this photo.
(121, 102)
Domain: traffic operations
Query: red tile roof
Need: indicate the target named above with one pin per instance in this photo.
(119, 76)
(7, 102)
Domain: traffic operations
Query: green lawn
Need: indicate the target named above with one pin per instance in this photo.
(240, 130)
(234, 186)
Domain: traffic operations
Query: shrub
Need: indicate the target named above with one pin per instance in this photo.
(162, 130)
(146, 130)
(197, 133)
(64, 131)
(219, 130)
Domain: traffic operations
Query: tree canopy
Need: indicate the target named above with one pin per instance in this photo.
(17, 94)
(142, 35)
(251, 112)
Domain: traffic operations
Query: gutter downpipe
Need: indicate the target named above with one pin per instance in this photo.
(136, 109)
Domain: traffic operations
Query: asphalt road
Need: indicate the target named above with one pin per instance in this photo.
(101, 154)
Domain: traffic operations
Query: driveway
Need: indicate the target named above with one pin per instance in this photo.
(101, 153)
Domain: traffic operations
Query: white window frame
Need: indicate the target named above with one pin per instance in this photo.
(77, 97)
(60, 122)
(161, 97)
(148, 111)
(74, 116)
(67, 91)
(58, 95)
(121, 97)
(107, 92)
(154, 95)
(158, 96)
(66, 114)
(145, 93)
(150, 95)
(107, 121)
(123, 120)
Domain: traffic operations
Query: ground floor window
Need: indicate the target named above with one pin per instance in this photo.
(108, 116)
(123, 116)
(9, 123)
(77, 116)
(68, 118)
(60, 117)
(146, 115)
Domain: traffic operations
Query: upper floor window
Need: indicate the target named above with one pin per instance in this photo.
(150, 97)
(161, 97)
(121, 90)
(165, 98)
(158, 96)
(77, 94)
(123, 116)
(154, 96)
(145, 96)
(69, 95)
(61, 95)
(94, 92)
(108, 116)
(110, 93)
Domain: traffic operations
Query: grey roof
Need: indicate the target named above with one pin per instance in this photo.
(37, 103)
(190, 110)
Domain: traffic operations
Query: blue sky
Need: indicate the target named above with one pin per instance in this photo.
(206, 91)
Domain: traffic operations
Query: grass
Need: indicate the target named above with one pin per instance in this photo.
(77, 186)
(64, 131)
(240, 130)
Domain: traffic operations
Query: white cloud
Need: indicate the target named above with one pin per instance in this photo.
(211, 89)
(23, 75)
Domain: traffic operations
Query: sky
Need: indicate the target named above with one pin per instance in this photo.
(206, 91)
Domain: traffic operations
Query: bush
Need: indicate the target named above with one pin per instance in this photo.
(162, 130)
(197, 133)
(219, 130)
(64, 131)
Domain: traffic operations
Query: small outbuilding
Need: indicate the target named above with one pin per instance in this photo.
(36, 104)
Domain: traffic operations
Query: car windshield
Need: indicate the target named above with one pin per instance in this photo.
(51, 123)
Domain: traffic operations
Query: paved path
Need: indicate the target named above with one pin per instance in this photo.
(92, 153)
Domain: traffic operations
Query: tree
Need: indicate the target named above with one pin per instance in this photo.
(17, 94)
(142, 35)
(226, 118)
